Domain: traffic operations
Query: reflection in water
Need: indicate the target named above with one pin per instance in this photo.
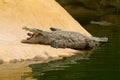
(102, 64)
(56, 65)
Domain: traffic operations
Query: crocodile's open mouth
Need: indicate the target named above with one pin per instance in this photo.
(31, 38)
(30, 35)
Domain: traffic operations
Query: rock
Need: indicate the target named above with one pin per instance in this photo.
(84, 3)
(81, 10)
(115, 19)
(102, 23)
(41, 14)
(13, 61)
(37, 58)
(81, 14)
(112, 3)
(85, 11)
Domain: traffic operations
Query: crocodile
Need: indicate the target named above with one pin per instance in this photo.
(58, 38)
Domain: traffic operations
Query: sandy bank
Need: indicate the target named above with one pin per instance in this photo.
(42, 14)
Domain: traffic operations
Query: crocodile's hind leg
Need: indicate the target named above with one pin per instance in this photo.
(55, 29)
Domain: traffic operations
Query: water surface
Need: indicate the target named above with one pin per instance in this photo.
(101, 63)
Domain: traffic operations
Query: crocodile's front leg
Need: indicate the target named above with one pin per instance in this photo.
(58, 44)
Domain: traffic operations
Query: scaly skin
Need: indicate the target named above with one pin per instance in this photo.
(62, 39)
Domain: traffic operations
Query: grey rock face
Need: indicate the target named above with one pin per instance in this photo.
(62, 39)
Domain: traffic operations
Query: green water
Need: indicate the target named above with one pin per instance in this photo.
(101, 63)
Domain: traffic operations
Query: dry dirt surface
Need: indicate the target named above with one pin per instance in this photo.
(42, 14)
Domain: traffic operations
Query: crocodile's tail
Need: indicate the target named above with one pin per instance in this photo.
(101, 40)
